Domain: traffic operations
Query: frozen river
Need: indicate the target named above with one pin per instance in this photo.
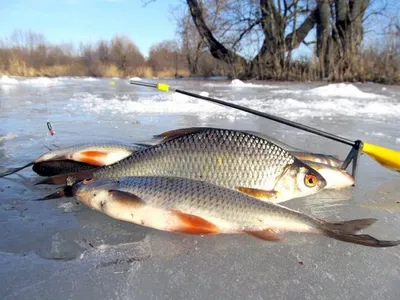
(61, 250)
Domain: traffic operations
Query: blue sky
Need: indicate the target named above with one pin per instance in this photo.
(74, 21)
(89, 20)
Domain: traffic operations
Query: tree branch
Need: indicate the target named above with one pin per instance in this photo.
(217, 50)
(300, 34)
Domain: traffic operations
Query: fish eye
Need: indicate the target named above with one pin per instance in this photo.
(310, 180)
(88, 180)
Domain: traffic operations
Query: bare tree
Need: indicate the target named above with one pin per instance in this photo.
(243, 22)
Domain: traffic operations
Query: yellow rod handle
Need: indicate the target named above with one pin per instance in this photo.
(388, 158)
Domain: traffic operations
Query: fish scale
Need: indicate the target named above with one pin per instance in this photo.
(213, 155)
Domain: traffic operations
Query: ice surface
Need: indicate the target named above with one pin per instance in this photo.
(61, 250)
(136, 78)
(91, 79)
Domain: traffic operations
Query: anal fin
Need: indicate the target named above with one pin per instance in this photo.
(268, 234)
(191, 224)
(259, 194)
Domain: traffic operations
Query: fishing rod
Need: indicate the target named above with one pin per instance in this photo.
(388, 158)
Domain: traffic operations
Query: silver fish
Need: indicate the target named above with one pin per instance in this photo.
(197, 207)
(229, 158)
(94, 154)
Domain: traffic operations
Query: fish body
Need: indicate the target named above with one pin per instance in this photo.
(228, 158)
(94, 154)
(197, 207)
(297, 152)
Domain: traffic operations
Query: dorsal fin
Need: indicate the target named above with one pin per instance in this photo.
(176, 133)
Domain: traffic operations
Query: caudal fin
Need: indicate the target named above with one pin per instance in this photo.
(69, 178)
(14, 170)
(344, 231)
(63, 192)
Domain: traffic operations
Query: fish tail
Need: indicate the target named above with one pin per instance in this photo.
(69, 178)
(14, 170)
(345, 231)
(63, 192)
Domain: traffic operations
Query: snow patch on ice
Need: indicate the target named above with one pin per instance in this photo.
(377, 133)
(342, 90)
(172, 103)
(42, 81)
(9, 136)
(8, 80)
(239, 83)
(136, 79)
(91, 79)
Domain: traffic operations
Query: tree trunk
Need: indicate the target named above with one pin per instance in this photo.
(323, 36)
(338, 47)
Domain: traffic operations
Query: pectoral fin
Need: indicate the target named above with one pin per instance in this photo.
(259, 194)
(191, 224)
(125, 198)
(94, 158)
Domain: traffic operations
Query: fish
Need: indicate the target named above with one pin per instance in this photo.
(225, 157)
(336, 178)
(94, 154)
(56, 167)
(196, 207)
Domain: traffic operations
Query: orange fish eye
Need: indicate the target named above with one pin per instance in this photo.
(88, 180)
(310, 180)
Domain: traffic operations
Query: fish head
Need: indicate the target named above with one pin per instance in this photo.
(299, 180)
(93, 192)
(336, 178)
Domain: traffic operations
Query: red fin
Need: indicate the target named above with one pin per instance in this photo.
(192, 224)
(173, 134)
(266, 234)
(259, 194)
(94, 158)
(126, 198)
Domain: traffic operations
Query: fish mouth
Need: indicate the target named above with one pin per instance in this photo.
(344, 180)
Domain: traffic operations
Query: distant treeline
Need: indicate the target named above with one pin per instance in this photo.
(28, 54)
